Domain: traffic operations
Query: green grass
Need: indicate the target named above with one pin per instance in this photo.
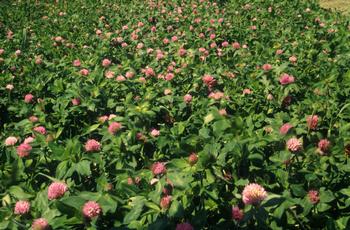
(341, 5)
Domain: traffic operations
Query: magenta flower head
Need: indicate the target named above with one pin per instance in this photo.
(22, 207)
(91, 209)
(106, 62)
(237, 214)
(92, 146)
(184, 226)
(294, 144)
(187, 98)
(324, 145)
(40, 224)
(253, 194)
(192, 159)
(158, 168)
(23, 150)
(56, 190)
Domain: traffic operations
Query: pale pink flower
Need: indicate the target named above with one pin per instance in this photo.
(267, 67)
(114, 127)
(92, 146)
(149, 72)
(216, 95)
(166, 41)
(174, 38)
(98, 32)
(28, 140)
(247, 91)
(76, 63)
(184, 226)
(279, 52)
(236, 45)
(165, 202)
(76, 101)
(28, 98)
(286, 79)
(212, 36)
(293, 59)
(269, 97)
(56, 190)
(187, 98)
(2, 51)
(158, 168)
(129, 74)
(285, 128)
(10, 141)
(155, 132)
(103, 119)
(84, 72)
(18, 52)
(58, 39)
(312, 121)
(106, 62)
(91, 209)
(167, 91)
(111, 116)
(9, 87)
(22, 207)
(294, 144)
(169, 76)
(40, 224)
(223, 112)
(142, 79)
(23, 150)
(109, 74)
(120, 78)
(139, 45)
(237, 214)
(253, 194)
(40, 129)
(224, 44)
(313, 196)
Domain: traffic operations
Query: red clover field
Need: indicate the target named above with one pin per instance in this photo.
(174, 114)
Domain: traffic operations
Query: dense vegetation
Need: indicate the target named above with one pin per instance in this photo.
(174, 115)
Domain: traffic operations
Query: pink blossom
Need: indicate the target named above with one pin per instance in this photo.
(169, 76)
(56, 190)
(129, 74)
(111, 116)
(313, 196)
(33, 119)
(158, 168)
(192, 159)
(286, 79)
(10, 141)
(91, 209)
(237, 214)
(224, 44)
(167, 91)
(106, 62)
(103, 119)
(184, 226)
(236, 45)
(166, 41)
(174, 38)
(40, 224)
(324, 145)
(285, 128)
(294, 144)
(149, 72)
(223, 112)
(312, 121)
(155, 132)
(114, 127)
(212, 36)
(76, 63)
(40, 129)
(253, 194)
(247, 91)
(293, 59)
(120, 78)
(84, 72)
(216, 95)
(28, 140)
(23, 150)
(28, 98)
(187, 98)
(18, 52)
(76, 101)
(22, 207)
(92, 146)
(279, 52)
(269, 97)
(2, 51)
(267, 67)
(165, 202)
(109, 74)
